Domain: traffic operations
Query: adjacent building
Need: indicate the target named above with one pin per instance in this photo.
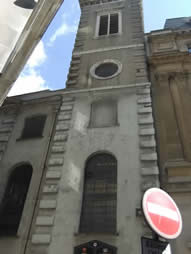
(169, 58)
(26, 128)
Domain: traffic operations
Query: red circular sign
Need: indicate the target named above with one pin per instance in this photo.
(162, 213)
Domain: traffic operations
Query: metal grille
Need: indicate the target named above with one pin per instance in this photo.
(13, 202)
(100, 195)
(114, 24)
(34, 126)
(103, 25)
(95, 247)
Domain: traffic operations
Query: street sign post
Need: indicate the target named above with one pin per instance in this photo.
(150, 246)
(162, 213)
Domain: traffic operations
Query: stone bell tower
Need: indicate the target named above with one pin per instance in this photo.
(102, 155)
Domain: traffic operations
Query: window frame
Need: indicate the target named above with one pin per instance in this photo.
(114, 61)
(94, 109)
(108, 33)
(23, 135)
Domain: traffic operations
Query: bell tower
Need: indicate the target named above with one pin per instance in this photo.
(110, 36)
(102, 155)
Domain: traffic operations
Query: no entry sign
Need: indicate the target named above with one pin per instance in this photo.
(162, 213)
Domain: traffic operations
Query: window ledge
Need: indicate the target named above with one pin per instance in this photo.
(79, 234)
(29, 138)
(106, 36)
(106, 126)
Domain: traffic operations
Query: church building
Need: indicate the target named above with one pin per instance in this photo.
(74, 163)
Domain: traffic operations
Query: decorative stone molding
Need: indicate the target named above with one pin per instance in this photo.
(74, 71)
(50, 189)
(147, 144)
(148, 155)
(53, 175)
(41, 239)
(45, 220)
(144, 100)
(9, 114)
(100, 50)
(84, 3)
(147, 132)
(47, 205)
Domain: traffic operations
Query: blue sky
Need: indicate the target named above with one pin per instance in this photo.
(48, 66)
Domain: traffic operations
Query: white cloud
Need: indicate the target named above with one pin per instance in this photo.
(64, 29)
(28, 83)
(75, 6)
(38, 56)
(30, 80)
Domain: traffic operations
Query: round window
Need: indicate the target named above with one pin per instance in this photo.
(106, 69)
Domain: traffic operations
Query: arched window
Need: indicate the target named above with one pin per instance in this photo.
(100, 195)
(14, 198)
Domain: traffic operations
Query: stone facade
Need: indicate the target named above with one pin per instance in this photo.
(16, 151)
(104, 111)
(170, 71)
(95, 115)
(80, 132)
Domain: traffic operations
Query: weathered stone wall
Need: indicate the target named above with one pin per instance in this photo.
(169, 62)
(131, 140)
(46, 210)
(18, 151)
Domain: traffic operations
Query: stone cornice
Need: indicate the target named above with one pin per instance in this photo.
(98, 50)
(165, 34)
(172, 57)
(11, 102)
(84, 3)
(103, 89)
(46, 100)
(36, 98)
(165, 76)
(178, 176)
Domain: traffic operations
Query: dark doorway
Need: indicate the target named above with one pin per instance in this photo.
(14, 199)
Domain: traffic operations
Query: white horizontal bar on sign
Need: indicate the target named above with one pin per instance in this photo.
(162, 211)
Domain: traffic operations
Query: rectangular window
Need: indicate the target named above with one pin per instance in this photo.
(33, 126)
(189, 49)
(108, 24)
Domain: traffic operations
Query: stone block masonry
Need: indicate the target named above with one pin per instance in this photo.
(44, 224)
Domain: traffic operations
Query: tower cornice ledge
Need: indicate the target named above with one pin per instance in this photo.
(76, 53)
(84, 3)
(77, 91)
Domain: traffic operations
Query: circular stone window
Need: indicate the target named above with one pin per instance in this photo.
(106, 69)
